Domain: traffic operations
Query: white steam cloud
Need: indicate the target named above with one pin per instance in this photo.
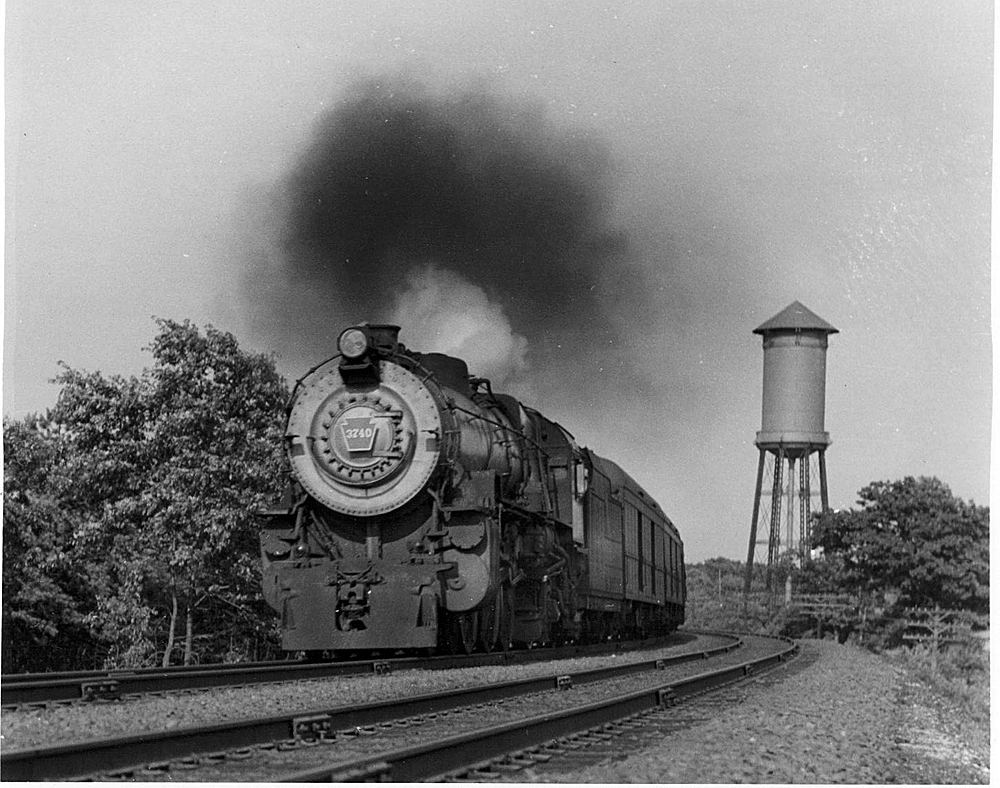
(442, 312)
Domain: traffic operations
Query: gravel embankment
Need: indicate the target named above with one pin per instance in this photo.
(848, 716)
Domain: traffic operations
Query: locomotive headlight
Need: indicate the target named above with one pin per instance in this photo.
(353, 343)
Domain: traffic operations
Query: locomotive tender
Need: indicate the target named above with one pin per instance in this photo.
(428, 511)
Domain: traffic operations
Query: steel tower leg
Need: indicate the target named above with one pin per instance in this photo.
(824, 495)
(790, 517)
(804, 524)
(748, 572)
(774, 538)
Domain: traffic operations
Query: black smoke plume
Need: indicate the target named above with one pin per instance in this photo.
(397, 179)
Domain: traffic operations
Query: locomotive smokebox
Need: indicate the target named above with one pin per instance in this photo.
(794, 400)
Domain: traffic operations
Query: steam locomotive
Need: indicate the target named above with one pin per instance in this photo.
(428, 512)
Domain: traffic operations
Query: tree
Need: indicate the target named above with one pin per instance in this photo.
(165, 471)
(47, 592)
(218, 437)
(825, 575)
(913, 537)
(715, 598)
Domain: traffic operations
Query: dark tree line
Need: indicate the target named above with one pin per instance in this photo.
(909, 544)
(129, 535)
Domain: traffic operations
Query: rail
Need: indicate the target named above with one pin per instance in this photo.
(41, 688)
(474, 754)
(113, 757)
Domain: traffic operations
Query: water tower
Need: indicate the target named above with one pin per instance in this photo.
(792, 432)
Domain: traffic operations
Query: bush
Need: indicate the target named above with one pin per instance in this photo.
(959, 671)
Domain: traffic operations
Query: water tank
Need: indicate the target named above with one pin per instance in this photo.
(794, 401)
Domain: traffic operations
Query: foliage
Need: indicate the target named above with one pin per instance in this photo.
(47, 592)
(913, 544)
(823, 575)
(711, 588)
(716, 601)
(160, 475)
(960, 672)
(913, 538)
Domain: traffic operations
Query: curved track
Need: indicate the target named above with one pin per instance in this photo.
(218, 749)
(487, 754)
(44, 688)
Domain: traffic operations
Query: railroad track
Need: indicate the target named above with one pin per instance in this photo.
(491, 753)
(42, 689)
(82, 686)
(283, 746)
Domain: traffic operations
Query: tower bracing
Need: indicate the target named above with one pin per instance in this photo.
(788, 483)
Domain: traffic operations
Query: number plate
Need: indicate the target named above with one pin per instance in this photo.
(359, 434)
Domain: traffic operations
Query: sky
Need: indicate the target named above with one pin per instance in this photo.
(594, 203)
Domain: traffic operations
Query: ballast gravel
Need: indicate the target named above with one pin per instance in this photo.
(837, 714)
(846, 716)
(27, 728)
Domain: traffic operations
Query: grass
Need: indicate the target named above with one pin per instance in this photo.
(960, 673)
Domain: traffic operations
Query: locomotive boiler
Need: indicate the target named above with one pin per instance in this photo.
(426, 511)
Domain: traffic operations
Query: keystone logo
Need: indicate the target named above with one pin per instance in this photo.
(359, 434)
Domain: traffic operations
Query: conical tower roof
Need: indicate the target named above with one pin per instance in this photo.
(793, 317)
